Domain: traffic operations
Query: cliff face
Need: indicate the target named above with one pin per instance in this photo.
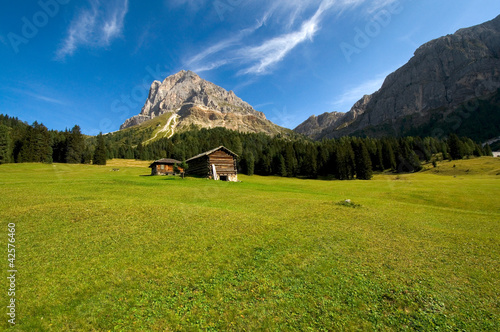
(315, 124)
(443, 74)
(197, 101)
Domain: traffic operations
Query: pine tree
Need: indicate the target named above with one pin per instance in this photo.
(250, 164)
(345, 162)
(184, 165)
(87, 155)
(35, 146)
(456, 147)
(139, 152)
(389, 159)
(76, 146)
(282, 167)
(362, 160)
(291, 161)
(100, 151)
(487, 150)
(237, 146)
(5, 145)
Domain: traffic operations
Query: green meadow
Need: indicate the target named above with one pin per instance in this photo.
(99, 249)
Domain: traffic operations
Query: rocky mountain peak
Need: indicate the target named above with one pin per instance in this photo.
(200, 102)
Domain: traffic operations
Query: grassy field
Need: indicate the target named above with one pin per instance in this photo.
(112, 250)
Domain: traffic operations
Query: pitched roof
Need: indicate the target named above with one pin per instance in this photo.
(212, 151)
(166, 161)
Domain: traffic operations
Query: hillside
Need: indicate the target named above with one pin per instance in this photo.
(454, 80)
(191, 100)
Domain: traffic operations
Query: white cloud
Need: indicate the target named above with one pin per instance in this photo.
(254, 54)
(259, 58)
(95, 27)
(274, 50)
(197, 63)
(352, 95)
(39, 96)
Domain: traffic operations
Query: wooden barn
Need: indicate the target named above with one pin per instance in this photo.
(217, 164)
(165, 167)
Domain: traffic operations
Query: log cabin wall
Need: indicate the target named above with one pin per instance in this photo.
(199, 166)
(225, 164)
(167, 169)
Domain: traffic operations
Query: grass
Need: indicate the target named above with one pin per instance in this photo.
(104, 250)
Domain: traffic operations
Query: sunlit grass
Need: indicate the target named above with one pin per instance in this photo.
(115, 250)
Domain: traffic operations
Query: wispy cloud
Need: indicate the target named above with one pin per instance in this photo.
(273, 51)
(344, 101)
(38, 96)
(258, 55)
(96, 26)
(258, 58)
(197, 62)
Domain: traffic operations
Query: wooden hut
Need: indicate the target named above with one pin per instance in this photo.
(165, 167)
(217, 164)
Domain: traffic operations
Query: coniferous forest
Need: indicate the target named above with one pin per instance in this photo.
(288, 156)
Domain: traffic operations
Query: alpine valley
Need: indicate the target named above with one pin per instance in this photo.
(451, 85)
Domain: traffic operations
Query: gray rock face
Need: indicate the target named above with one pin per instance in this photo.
(442, 74)
(315, 124)
(202, 103)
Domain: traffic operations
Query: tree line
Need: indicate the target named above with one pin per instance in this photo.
(288, 156)
(345, 158)
(20, 143)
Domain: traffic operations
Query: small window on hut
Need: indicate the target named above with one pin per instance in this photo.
(162, 167)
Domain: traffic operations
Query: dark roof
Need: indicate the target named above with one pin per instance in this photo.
(212, 151)
(165, 161)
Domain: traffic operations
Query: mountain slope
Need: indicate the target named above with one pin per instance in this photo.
(444, 76)
(198, 102)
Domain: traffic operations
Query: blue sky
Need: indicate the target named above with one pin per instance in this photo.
(91, 62)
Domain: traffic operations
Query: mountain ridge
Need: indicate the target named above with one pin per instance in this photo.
(444, 73)
(201, 103)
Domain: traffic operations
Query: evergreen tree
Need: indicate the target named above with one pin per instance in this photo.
(35, 145)
(389, 159)
(362, 160)
(408, 160)
(139, 152)
(309, 164)
(345, 162)
(456, 147)
(76, 146)
(100, 151)
(237, 146)
(250, 164)
(291, 161)
(444, 150)
(5, 145)
(59, 146)
(282, 167)
(87, 155)
(184, 165)
(487, 150)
